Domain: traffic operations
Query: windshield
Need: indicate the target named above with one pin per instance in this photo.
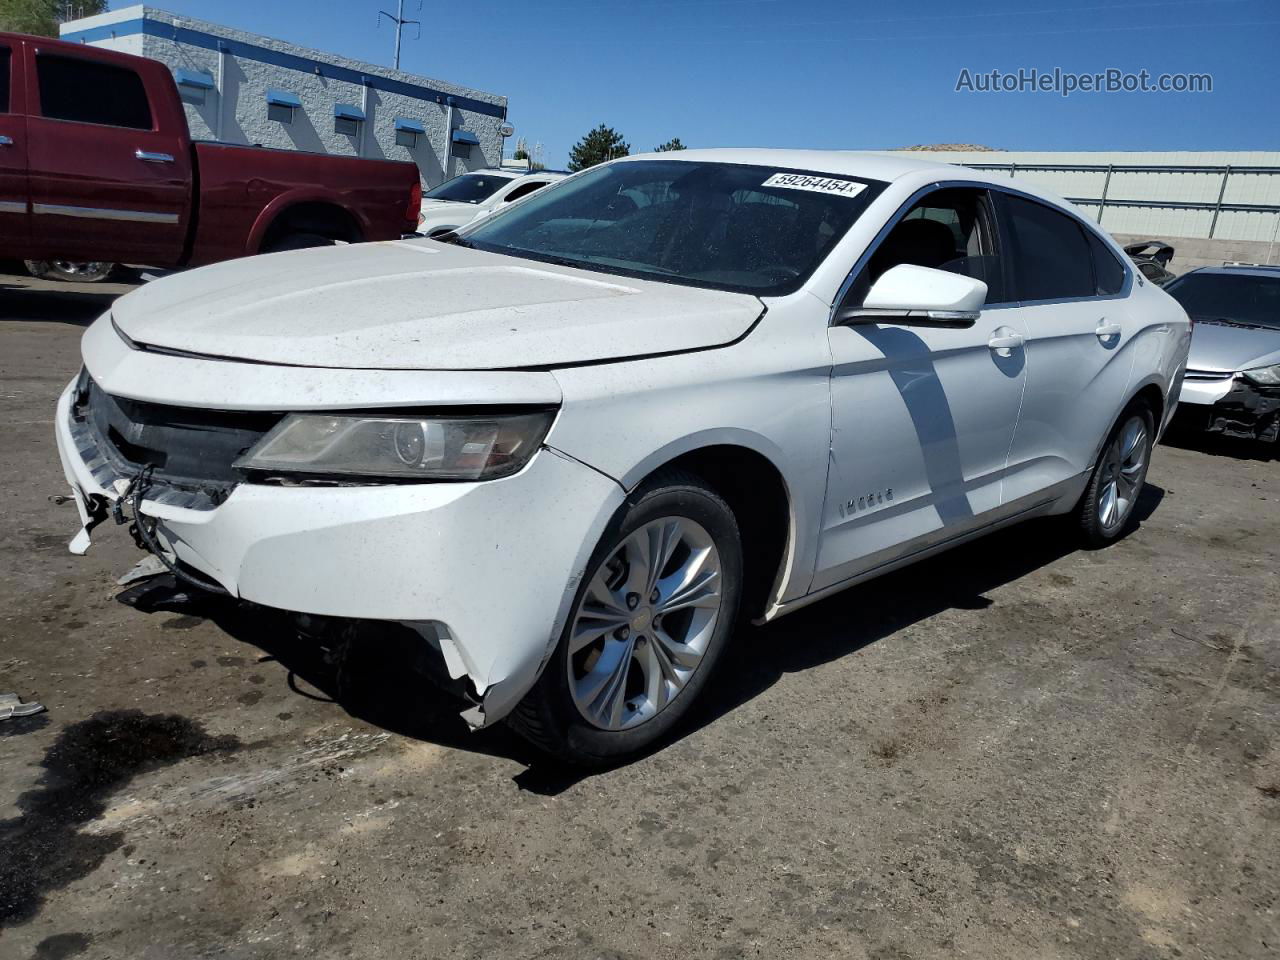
(468, 188)
(727, 226)
(1236, 298)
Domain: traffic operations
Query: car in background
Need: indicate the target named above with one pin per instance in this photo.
(1232, 384)
(97, 166)
(472, 196)
(569, 446)
(1152, 258)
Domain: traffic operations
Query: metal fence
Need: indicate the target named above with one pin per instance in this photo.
(1224, 196)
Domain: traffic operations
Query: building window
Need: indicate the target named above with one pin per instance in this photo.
(461, 142)
(347, 119)
(193, 86)
(281, 104)
(408, 131)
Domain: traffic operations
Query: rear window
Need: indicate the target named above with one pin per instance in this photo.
(1051, 256)
(4, 79)
(1235, 298)
(89, 92)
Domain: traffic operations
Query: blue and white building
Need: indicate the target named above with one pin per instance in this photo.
(244, 88)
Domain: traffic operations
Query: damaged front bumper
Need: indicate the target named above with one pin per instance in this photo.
(485, 572)
(1232, 405)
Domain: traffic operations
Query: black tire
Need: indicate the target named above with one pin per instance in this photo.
(548, 716)
(1090, 512)
(296, 241)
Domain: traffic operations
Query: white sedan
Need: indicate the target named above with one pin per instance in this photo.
(572, 447)
(473, 196)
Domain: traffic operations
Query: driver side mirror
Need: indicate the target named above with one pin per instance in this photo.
(921, 297)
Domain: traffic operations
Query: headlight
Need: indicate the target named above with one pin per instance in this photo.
(1265, 376)
(400, 447)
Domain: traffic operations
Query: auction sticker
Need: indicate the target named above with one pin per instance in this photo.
(801, 181)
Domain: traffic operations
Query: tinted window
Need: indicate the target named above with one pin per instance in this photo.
(1234, 297)
(523, 191)
(727, 226)
(468, 188)
(1051, 256)
(89, 92)
(4, 79)
(1108, 273)
(948, 230)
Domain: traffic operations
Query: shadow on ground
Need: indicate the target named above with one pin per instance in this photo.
(25, 298)
(379, 678)
(1188, 437)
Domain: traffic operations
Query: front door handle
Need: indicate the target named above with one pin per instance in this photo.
(1105, 331)
(1005, 344)
(5, 141)
(150, 157)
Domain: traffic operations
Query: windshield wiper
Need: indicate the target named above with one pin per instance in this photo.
(452, 237)
(1229, 322)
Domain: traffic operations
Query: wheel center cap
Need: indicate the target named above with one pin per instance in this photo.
(642, 619)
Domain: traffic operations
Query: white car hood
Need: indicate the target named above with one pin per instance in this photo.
(423, 305)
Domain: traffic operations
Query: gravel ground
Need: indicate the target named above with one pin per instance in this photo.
(1018, 750)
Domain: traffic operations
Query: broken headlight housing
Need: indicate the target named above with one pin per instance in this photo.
(399, 447)
(1265, 376)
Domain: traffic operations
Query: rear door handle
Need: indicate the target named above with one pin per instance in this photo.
(150, 157)
(5, 141)
(1106, 330)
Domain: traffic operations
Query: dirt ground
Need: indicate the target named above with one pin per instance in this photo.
(1018, 750)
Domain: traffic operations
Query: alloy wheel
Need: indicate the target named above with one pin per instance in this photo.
(643, 625)
(1123, 470)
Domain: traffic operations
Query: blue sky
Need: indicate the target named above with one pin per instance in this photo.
(820, 73)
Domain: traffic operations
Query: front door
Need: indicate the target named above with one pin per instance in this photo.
(106, 182)
(15, 218)
(922, 418)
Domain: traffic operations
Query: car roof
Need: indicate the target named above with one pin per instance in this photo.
(854, 163)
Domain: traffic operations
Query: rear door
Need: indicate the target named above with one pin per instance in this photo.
(1072, 294)
(14, 213)
(110, 165)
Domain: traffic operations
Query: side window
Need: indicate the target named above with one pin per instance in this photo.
(86, 91)
(4, 79)
(523, 191)
(1051, 257)
(1108, 272)
(951, 229)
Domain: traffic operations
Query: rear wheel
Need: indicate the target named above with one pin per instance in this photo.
(1107, 507)
(71, 271)
(647, 627)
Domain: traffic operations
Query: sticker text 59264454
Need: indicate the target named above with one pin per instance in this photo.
(800, 181)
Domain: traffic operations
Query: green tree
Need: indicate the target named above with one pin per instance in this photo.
(41, 17)
(672, 144)
(601, 144)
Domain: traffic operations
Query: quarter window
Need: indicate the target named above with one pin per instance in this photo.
(4, 79)
(1051, 257)
(86, 91)
(1108, 272)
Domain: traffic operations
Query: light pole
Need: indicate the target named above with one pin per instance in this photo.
(398, 19)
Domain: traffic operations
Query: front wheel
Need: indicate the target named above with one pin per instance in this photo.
(1107, 507)
(647, 627)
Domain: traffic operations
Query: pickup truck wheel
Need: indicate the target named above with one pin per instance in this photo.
(71, 271)
(650, 620)
(296, 241)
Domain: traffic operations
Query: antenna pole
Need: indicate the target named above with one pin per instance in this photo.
(400, 22)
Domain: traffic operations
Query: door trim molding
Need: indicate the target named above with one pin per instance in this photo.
(103, 213)
(13, 206)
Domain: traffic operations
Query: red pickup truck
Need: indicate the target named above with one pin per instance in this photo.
(97, 163)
